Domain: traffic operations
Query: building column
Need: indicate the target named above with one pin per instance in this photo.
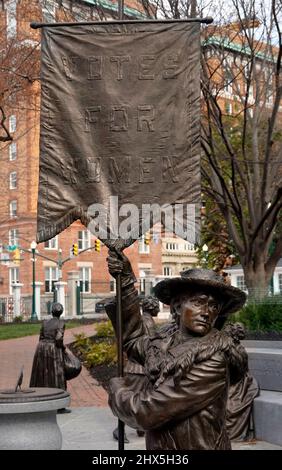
(38, 298)
(60, 287)
(276, 283)
(16, 288)
(73, 280)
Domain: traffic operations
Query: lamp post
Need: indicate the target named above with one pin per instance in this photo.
(33, 313)
(205, 249)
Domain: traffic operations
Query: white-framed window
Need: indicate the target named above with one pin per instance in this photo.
(280, 283)
(142, 246)
(51, 276)
(13, 151)
(240, 282)
(167, 271)
(112, 285)
(13, 123)
(14, 276)
(51, 244)
(189, 247)
(13, 180)
(49, 11)
(13, 236)
(83, 239)
(228, 80)
(172, 246)
(228, 107)
(269, 93)
(85, 279)
(13, 208)
(11, 8)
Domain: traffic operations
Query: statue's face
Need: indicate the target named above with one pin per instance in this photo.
(199, 313)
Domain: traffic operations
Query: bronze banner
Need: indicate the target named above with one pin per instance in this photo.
(120, 116)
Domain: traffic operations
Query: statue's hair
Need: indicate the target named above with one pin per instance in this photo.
(57, 309)
(150, 303)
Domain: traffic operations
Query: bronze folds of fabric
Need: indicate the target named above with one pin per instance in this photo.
(120, 116)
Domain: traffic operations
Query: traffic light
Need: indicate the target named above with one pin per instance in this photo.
(75, 249)
(97, 245)
(147, 238)
(16, 256)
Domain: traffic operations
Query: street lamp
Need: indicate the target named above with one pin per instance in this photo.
(205, 249)
(33, 313)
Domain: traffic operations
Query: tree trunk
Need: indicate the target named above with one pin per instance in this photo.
(257, 281)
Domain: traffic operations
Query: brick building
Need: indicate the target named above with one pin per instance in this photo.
(19, 169)
(20, 157)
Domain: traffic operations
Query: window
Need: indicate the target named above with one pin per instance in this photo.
(11, 19)
(51, 276)
(13, 208)
(167, 271)
(51, 244)
(13, 151)
(228, 107)
(172, 246)
(228, 79)
(142, 247)
(13, 180)
(280, 283)
(85, 279)
(142, 286)
(13, 236)
(14, 276)
(189, 247)
(12, 123)
(83, 239)
(49, 11)
(269, 94)
(240, 282)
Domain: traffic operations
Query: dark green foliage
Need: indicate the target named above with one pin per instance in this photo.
(18, 319)
(262, 316)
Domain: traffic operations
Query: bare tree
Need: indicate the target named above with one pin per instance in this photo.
(242, 140)
(241, 120)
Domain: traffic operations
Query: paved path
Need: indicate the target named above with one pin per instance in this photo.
(14, 353)
(91, 423)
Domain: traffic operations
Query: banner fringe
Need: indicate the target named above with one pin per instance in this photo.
(54, 229)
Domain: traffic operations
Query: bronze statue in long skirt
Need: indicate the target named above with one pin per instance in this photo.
(241, 396)
(48, 366)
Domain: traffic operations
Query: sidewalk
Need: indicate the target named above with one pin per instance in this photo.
(92, 429)
(90, 424)
(15, 353)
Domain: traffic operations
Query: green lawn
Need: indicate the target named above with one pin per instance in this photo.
(26, 329)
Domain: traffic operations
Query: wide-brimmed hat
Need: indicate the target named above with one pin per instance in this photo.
(205, 280)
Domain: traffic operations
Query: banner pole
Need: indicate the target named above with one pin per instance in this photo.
(119, 307)
(120, 354)
(35, 25)
(120, 9)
